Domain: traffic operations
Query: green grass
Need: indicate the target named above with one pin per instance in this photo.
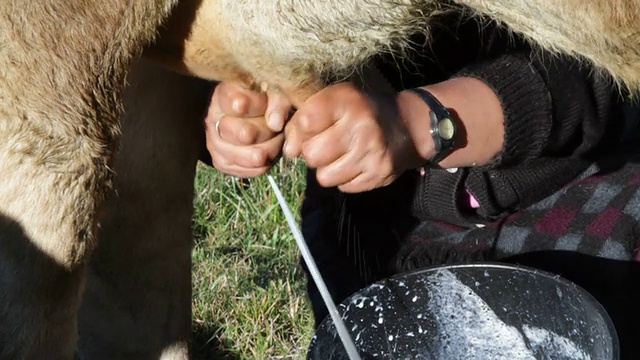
(249, 297)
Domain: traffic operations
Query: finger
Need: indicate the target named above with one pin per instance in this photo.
(305, 124)
(243, 131)
(237, 101)
(377, 172)
(226, 155)
(255, 156)
(292, 147)
(360, 183)
(326, 147)
(340, 171)
(315, 116)
(278, 110)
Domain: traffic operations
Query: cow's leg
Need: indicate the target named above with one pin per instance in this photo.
(62, 65)
(137, 302)
(40, 261)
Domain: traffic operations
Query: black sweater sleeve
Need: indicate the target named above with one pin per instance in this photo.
(552, 105)
(557, 115)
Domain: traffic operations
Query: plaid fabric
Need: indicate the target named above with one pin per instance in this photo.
(598, 215)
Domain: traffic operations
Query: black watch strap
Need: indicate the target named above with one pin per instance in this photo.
(443, 130)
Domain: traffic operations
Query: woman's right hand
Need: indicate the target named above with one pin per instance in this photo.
(244, 129)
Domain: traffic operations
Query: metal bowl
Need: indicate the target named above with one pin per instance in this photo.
(477, 311)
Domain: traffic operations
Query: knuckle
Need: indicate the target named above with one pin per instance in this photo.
(218, 162)
(239, 104)
(310, 161)
(310, 156)
(323, 179)
(305, 121)
(246, 134)
(259, 157)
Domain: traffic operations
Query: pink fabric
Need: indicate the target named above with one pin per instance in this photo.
(471, 200)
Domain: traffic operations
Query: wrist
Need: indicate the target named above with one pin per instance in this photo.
(479, 118)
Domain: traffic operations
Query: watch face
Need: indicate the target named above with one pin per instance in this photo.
(446, 129)
(443, 128)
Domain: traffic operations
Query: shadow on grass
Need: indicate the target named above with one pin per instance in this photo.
(206, 345)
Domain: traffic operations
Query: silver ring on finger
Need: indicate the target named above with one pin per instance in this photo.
(217, 127)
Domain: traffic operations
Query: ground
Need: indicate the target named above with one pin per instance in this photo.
(248, 289)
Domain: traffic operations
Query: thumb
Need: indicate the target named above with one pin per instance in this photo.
(278, 109)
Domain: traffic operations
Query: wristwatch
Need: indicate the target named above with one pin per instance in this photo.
(444, 130)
